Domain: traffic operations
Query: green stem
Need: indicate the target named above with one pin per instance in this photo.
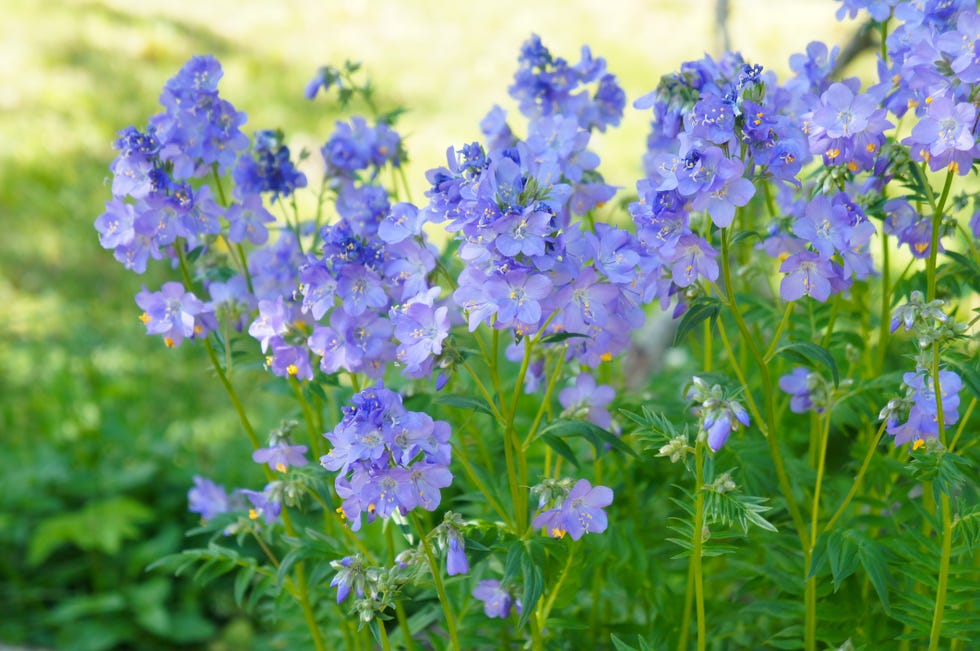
(383, 634)
(884, 330)
(307, 417)
(810, 597)
(514, 449)
(459, 453)
(545, 610)
(697, 543)
(400, 613)
(963, 421)
(779, 331)
(937, 612)
(937, 220)
(483, 392)
(858, 478)
(688, 608)
(545, 402)
(771, 429)
(447, 610)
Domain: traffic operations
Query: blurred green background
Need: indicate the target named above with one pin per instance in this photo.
(101, 426)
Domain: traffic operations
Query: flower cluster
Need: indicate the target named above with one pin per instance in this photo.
(388, 459)
(920, 409)
(515, 206)
(720, 415)
(577, 512)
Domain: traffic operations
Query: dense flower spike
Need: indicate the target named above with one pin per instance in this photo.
(388, 459)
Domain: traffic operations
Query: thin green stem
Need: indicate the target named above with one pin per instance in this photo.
(483, 392)
(544, 608)
(937, 220)
(514, 449)
(697, 543)
(400, 613)
(447, 609)
(545, 401)
(383, 634)
(810, 596)
(459, 453)
(884, 330)
(963, 421)
(688, 609)
(767, 389)
(307, 417)
(779, 331)
(935, 632)
(858, 478)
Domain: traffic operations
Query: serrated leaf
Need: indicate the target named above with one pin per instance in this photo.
(699, 310)
(808, 353)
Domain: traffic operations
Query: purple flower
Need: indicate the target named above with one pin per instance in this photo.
(580, 513)
(388, 458)
(351, 575)
(944, 136)
(497, 601)
(800, 386)
(807, 274)
(273, 321)
(280, 457)
(518, 297)
(207, 498)
(588, 400)
(266, 505)
(174, 313)
(728, 191)
(268, 169)
(720, 415)
(247, 220)
(693, 257)
(922, 421)
(456, 562)
(420, 327)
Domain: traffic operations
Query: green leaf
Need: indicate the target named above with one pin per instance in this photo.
(969, 375)
(533, 587)
(874, 563)
(700, 309)
(842, 553)
(620, 645)
(807, 353)
(559, 337)
(744, 235)
(464, 402)
(242, 582)
(597, 436)
(972, 274)
(558, 444)
(100, 525)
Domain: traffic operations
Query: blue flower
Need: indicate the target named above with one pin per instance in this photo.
(497, 600)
